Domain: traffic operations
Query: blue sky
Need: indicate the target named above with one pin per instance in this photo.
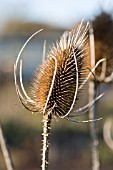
(63, 13)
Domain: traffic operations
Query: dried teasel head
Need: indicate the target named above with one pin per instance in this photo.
(103, 34)
(58, 82)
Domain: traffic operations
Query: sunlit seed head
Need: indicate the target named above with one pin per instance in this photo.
(69, 59)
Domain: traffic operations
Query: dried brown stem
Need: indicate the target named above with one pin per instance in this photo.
(95, 142)
(45, 141)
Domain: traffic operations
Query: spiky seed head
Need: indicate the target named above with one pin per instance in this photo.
(69, 59)
(103, 32)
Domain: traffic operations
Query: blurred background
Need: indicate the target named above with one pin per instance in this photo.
(70, 142)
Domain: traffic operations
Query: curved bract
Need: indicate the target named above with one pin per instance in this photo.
(25, 99)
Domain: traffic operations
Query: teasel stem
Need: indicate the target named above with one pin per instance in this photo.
(45, 141)
(95, 142)
(5, 152)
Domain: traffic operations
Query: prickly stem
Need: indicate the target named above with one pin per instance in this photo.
(45, 141)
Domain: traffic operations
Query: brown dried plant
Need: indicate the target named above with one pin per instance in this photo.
(103, 32)
(58, 82)
(101, 35)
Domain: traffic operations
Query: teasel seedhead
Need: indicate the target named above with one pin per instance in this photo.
(57, 83)
(103, 34)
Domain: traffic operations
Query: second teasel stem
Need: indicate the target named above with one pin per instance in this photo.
(5, 151)
(45, 141)
(93, 131)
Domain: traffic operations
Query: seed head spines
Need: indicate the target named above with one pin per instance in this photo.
(70, 54)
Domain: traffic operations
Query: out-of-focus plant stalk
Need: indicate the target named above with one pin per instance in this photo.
(5, 152)
(94, 138)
